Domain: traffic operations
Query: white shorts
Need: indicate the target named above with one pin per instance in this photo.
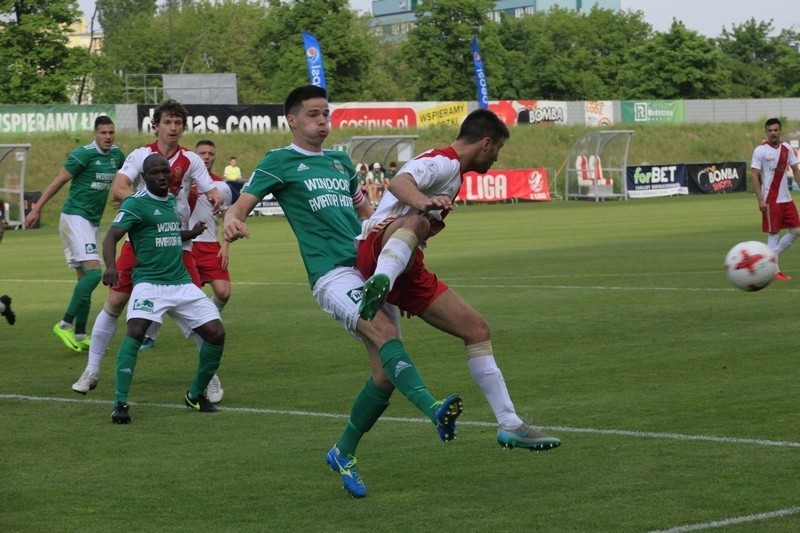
(187, 305)
(79, 238)
(339, 293)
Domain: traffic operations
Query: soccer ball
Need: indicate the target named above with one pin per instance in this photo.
(751, 265)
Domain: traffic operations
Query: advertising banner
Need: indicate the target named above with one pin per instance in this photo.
(539, 112)
(500, 185)
(316, 72)
(222, 118)
(717, 177)
(44, 118)
(653, 111)
(397, 115)
(481, 87)
(599, 112)
(646, 181)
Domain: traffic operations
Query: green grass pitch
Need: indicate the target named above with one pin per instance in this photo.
(675, 394)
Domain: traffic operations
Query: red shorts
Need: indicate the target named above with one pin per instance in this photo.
(415, 289)
(780, 216)
(126, 261)
(209, 265)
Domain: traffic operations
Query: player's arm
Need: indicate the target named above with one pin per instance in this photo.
(755, 176)
(197, 230)
(234, 227)
(111, 276)
(60, 180)
(121, 188)
(405, 189)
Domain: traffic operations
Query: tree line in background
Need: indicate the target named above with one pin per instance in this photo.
(557, 55)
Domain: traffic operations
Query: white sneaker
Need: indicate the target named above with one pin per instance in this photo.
(85, 383)
(214, 390)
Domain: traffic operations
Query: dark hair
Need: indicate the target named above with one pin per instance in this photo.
(170, 107)
(362, 167)
(300, 95)
(772, 121)
(392, 164)
(205, 142)
(482, 123)
(102, 120)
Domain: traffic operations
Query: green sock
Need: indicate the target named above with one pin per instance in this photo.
(368, 407)
(81, 299)
(405, 377)
(126, 364)
(210, 356)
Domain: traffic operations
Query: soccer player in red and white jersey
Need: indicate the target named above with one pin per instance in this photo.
(390, 255)
(768, 171)
(169, 123)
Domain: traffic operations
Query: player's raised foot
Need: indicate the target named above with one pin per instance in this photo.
(214, 390)
(446, 414)
(87, 382)
(11, 317)
(147, 343)
(526, 436)
(120, 414)
(376, 289)
(67, 337)
(780, 276)
(201, 403)
(346, 466)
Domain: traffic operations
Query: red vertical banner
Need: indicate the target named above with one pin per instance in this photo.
(500, 185)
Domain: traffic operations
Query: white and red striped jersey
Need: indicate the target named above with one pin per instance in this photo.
(203, 212)
(765, 159)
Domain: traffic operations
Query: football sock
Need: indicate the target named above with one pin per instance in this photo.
(81, 299)
(786, 241)
(396, 254)
(105, 325)
(772, 240)
(126, 364)
(489, 378)
(210, 356)
(405, 377)
(367, 408)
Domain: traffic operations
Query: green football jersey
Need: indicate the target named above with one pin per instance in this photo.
(154, 228)
(315, 192)
(92, 175)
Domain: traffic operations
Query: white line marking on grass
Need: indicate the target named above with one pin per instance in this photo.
(731, 521)
(564, 429)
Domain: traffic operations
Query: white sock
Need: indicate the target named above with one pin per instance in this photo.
(64, 325)
(153, 330)
(489, 378)
(772, 240)
(785, 242)
(105, 325)
(2, 307)
(396, 254)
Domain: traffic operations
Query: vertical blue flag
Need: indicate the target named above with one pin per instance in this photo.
(480, 76)
(316, 72)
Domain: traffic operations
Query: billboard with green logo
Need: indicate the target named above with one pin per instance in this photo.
(652, 111)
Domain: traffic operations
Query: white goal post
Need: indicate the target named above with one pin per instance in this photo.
(13, 162)
(596, 166)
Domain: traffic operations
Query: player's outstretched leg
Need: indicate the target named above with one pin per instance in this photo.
(376, 289)
(526, 436)
(346, 466)
(447, 411)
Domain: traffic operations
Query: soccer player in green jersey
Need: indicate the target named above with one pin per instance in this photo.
(161, 284)
(319, 193)
(91, 168)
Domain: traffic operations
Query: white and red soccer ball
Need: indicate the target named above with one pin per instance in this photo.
(751, 265)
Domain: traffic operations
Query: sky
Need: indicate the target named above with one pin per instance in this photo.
(706, 17)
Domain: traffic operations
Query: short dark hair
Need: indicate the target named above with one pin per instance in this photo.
(102, 120)
(300, 95)
(205, 142)
(772, 121)
(170, 107)
(482, 123)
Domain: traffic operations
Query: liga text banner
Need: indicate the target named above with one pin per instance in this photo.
(500, 185)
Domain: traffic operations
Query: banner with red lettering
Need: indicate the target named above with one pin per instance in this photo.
(500, 185)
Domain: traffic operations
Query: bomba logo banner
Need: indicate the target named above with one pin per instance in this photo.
(717, 177)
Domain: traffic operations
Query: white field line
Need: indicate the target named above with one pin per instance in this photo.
(343, 416)
(732, 521)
